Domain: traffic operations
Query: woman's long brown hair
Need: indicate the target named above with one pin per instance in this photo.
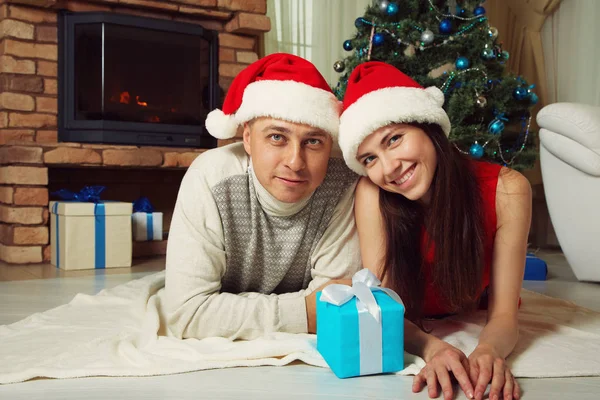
(454, 223)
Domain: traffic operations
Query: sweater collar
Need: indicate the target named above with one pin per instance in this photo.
(270, 204)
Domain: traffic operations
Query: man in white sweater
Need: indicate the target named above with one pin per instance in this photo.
(259, 226)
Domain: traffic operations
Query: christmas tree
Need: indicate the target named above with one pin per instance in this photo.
(451, 45)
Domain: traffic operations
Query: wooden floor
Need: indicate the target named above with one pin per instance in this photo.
(28, 289)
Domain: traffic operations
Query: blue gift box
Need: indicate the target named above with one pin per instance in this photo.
(354, 343)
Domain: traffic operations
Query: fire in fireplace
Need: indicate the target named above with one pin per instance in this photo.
(134, 80)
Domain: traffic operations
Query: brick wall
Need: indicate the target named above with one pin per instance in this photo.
(33, 163)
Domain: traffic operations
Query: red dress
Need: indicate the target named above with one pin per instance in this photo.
(487, 177)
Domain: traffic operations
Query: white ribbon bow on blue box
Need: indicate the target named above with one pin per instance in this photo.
(360, 328)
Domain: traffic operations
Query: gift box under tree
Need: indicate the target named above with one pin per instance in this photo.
(147, 224)
(88, 233)
(360, 329)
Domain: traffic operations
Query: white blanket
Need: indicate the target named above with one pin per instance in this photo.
(121, 332)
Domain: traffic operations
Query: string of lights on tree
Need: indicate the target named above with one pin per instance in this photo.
(450, 44)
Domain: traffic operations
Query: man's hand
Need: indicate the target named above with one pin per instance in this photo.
(311, 303)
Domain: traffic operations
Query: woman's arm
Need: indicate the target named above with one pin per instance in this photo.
(499, 336)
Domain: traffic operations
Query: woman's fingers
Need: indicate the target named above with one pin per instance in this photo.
(498, 379)
(443, 378)
(432, 383)
(483, 378)
(460, 371)
(419, 381)
(509, 385)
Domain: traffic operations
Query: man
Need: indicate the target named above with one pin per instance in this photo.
(260, 226)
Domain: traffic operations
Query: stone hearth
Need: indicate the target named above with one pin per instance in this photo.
(32, 161)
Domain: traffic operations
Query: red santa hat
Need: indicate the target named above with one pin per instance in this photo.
(379, 94)
(281, 86)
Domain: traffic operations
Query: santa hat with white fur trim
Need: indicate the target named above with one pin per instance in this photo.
(379, 94)
(281, 86)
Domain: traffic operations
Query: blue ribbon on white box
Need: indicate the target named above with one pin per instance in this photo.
(144, 205)
(99, 234)
(87, 194)
(364, 283)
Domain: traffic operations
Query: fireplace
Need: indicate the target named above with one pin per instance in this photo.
(132, 80)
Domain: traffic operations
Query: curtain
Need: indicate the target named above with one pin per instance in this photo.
(520, 23)
(572, 52)
(313, 29)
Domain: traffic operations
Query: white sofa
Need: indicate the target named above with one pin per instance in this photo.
(570, 161)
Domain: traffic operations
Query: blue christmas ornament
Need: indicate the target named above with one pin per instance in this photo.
(462, 63)
(348, 45)
(488, 54)
(533, 98)
(358, 22)
(378, 39)
(479, 10)
(520, 93)
(496, 126)
(505, 54)
(445, 26)
(476, 150)
(392, 9)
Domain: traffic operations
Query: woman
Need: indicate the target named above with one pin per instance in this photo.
(444, 231)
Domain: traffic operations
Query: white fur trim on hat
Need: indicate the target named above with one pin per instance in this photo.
(291, 101)
(220, 125)
(385, 106)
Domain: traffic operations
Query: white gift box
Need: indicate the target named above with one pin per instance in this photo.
(147, 226)
(90, 235)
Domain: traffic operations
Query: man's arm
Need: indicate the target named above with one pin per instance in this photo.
(196, 265)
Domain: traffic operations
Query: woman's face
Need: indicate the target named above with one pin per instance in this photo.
(400, 158)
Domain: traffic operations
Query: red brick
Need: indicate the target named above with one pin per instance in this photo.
(46, 104)
(27, 196)
(203, 12)
(151, 248)
(46, 254)
(258, 6)
(3, 119)
(226, 55)
(225, 82)
(16, 29)
(236, 41)
(21, 215)
(20, 155)
(142, 13)
(249, 23)
(30, 50)
(16, 136)
(47, 34)
(174, 159)
(45, 216)
(207, 24)
(32, 14)
(6, 194)
(68, 155)
(46, 137)
(151, 4)
(139, 158)
(85, 7)
(30, 235)
(18, 120)
(23, 175)
(3, 10)
(16, 101)
(200, 3)
(6, 234)
(11, 65)
(47, 68)
(246, 57)
(21, 83)
(230, 70)
(20, 254)
(50, 86)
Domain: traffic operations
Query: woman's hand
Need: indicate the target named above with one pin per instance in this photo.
(486, 365)
(444, 359)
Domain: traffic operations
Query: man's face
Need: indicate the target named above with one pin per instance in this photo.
(289, 159)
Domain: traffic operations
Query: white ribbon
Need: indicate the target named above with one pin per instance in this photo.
(364, 283)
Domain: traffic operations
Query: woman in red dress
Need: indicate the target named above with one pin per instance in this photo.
(448, 233)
